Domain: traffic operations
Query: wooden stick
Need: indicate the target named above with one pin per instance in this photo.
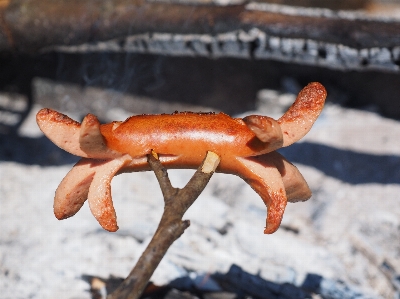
(171, 226)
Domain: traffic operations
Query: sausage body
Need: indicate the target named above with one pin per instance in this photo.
(186, 136)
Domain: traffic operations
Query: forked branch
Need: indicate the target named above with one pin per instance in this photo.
(171, 226)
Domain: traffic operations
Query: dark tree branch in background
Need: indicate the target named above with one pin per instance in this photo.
(30, 25)
(251, 30)
(171, 226)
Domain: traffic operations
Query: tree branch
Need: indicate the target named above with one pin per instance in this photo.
(162, 176)
(32, 25)
(171, 226)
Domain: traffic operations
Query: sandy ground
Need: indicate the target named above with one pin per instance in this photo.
(349, 230)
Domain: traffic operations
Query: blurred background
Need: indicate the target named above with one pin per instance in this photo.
(120, 57)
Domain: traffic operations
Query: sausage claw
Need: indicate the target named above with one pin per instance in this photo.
(91, 140)
(61, 130)
(300, 117)
(266, 180)
(73, 190)
(267, 130)
(99, 195)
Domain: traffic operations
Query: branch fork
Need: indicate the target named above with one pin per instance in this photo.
(171, 226)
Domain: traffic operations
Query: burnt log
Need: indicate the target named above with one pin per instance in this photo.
(335, 39)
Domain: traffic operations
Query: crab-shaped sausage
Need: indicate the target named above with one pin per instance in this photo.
(245, 146)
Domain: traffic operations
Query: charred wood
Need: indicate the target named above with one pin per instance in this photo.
(323, 37)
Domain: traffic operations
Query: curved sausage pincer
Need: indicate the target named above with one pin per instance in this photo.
(245, 146)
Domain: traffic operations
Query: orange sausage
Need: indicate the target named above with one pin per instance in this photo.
(246, 147)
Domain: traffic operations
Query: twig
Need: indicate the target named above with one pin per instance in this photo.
(171, 226)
